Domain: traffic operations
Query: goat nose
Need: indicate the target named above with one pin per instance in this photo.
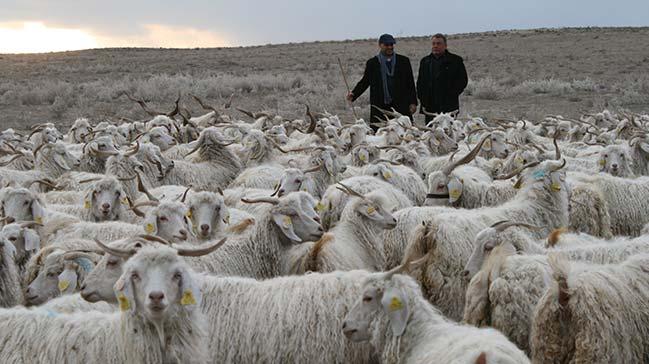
(156, 296)
(394, 219)
(83, 286)
(182, 232)
(344, 325)
(9, 219)
(614, 166)
(205, 227)
(466, 273)
(105, 206)
(320, 229)
(317, 219)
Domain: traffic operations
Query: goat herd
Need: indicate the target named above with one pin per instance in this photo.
(209, 239)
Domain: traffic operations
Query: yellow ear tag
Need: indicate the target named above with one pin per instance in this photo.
(287, 222)
(371, 210)
(387, 175)
(454, 193)
(556, 187)
(519, 160)
(395, 304)
(63, 285)
(189, 214)
(86, 204)
(123, 302)
(602, 162)
(188, 298)
(362, 157)
(149, 228)
(39, 220)
(319, 206)
(487, 143)
(124, 201)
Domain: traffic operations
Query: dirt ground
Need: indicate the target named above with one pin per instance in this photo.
(527, 73)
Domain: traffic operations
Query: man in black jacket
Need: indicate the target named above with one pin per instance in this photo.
(389, 77)
(442, 78)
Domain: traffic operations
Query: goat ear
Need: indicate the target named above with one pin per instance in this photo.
(329, 165)
(124, 292)
(225, 214)
(487, 145)
(32, 240)
(190, 294)
(38, 212)
(285, 223)
(85, 264)
(644, 147)
(369, 211)
(151, 224)
(87, 199)
(60, 161)
(386, 173)
(396, 307)
(455, 187)
(68, 280)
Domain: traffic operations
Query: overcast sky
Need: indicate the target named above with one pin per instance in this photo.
(187, 23)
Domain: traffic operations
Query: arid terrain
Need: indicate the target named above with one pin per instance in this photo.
(526, 73)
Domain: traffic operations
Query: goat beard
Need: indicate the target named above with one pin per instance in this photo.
(383, 339)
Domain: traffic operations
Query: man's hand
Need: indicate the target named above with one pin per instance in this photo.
(413, 108)
(350, 97)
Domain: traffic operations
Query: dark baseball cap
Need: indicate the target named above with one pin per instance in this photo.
(387, 39)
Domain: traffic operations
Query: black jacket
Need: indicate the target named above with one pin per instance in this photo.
(404, 93)
(452, 81)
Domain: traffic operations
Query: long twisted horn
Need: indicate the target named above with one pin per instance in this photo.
(467, 158)
(184, 252)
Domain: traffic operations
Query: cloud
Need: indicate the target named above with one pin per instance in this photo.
(28, 37)
(160, 35)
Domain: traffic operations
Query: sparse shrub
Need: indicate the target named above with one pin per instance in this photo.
(485, 89)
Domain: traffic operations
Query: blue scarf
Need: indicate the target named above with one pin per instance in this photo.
(385, 72)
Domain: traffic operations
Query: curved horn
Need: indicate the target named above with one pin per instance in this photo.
(557, 152)
(143, 105)
(4, 164)
(555, 167)
(406, 267)
(183, 252)
(205, 106)
(467, 158)
(270, 200)
(157, 239)
(276, 190)
(133, 151)
(426, 112)
(348, 190)
(73, 254)
(518, 171)
(501, 226)
(29, 224)
(313, 123)
(124, 253)
(141, 188)
(185, 194)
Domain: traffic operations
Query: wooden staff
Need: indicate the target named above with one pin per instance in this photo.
(347, 85)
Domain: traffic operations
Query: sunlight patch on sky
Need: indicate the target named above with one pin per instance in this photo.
(30, 37)
(37, 37)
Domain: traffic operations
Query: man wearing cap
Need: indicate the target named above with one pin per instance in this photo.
(389, 77)
(441, 79)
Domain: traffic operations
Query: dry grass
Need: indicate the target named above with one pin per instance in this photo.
(519, 73)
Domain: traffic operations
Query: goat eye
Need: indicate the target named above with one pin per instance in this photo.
(177, 276)
(163, 218)
(298, 181)
(367, 299)
(622, 156)
(26, 203)
(135, 276)
(488, 248)
(51, 274)
(111, 263)
(376, 174)
(13, 238)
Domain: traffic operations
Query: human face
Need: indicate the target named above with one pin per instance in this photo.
(387, 49)
(439, 47)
